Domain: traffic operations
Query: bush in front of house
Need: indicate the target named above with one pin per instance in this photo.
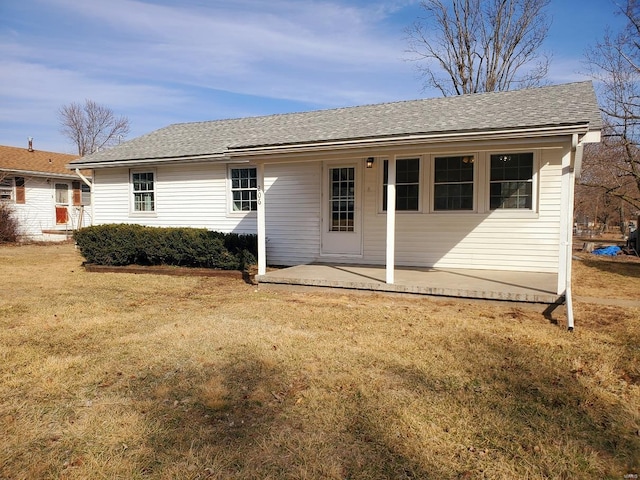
(9, 227)
(127, 244)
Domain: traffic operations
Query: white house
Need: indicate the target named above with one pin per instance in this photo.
(481, 181)
(49, 200)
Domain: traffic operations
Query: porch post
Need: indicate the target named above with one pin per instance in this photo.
(262, 237)
(391, 219)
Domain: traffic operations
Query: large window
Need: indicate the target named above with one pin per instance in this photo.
(143, 186)
(407, 184)
(511, 184)
(6, 189)
(453, 183)
(244, 189)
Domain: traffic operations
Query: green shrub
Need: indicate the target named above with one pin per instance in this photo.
(124, 244)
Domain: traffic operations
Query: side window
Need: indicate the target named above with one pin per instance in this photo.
(244, 189)
(453, 183)
(6, 189)
(511, 181)
(407, 184)
(85, 194)
(143, 190)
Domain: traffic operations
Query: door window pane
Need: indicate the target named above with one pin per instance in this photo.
(342, 201)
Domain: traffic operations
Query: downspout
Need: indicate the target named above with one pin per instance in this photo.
(574, 166)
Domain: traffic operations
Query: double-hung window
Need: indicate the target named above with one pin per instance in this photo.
(6, 190)
(407, 184)
(453, 183)
(143, 188)
(511, 183)
(244, 189)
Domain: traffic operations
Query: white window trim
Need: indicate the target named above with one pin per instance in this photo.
(478, 160)
(132, 211)
(421, 185)
(230, 211)
(535, 190)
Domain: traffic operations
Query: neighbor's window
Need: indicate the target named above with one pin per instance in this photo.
(6, 190)
(453, 183)
(143, 186)
(244, 189)
(85, 194)
(511, 184)
(407, 184)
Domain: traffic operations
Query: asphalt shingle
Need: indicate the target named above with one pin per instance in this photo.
(557, 105)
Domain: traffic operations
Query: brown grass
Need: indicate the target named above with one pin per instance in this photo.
(606, 277)
(113, 375)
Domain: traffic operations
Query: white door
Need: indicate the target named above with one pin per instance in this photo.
(342, 217)
(62, 203)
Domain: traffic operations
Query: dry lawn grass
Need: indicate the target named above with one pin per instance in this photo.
(113, 375)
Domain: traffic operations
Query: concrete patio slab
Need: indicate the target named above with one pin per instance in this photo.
(464, 283)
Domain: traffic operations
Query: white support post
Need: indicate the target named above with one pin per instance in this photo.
(391, 219)
(262, 237)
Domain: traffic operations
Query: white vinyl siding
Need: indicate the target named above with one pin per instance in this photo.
(198, 195)
(38, 215)
(293, 212)
(186, 196)
(527, 241)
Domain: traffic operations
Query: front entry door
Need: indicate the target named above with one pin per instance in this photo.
(342, 229)
(62, 203)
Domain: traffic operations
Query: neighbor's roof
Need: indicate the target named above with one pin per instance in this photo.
(559, 105)
(35, 162)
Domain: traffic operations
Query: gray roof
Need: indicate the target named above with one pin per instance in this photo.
(558, 105)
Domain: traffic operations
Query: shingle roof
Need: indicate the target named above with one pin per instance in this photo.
(37, 162)
(558, 105)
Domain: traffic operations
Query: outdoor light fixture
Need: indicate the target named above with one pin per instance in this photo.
(370, 162)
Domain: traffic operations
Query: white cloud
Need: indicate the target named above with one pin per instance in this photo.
(245, 47)
(164, 61)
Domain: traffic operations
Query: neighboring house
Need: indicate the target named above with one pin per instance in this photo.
(49, 200)
(481, 181)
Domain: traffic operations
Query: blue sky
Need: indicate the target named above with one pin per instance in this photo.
(160, 62)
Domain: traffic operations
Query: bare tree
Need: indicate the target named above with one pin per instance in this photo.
(92, 126)
(471, 46)
(614, 166)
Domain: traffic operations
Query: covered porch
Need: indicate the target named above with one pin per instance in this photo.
(463, 283)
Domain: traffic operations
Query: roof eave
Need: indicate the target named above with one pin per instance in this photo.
(141, 162)
(31, 173)
(529, 132)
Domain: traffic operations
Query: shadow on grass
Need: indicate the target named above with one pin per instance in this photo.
(254, 426)
(625, 269)
(532, 417)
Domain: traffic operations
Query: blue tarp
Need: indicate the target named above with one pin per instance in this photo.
(611, 251)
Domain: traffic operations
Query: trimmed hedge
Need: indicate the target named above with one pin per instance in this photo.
(127, 244)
